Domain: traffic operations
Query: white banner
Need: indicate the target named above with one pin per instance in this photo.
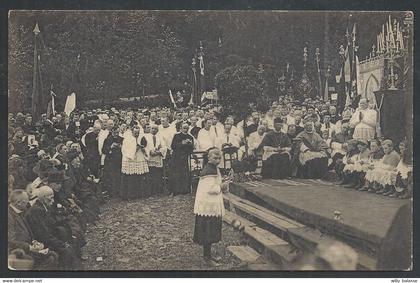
(70, 103)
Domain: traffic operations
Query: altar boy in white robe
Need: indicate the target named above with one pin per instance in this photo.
(156, 149)
(208, 207)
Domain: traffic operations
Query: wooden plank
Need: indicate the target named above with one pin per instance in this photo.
(264, 237)
(265, 210)
(244, 253)
(229, 217)
(282, 182)
(268, 218)
(252, 230)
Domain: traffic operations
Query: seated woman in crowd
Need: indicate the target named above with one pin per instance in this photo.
(351, 152)
(376, 154)
(404, 173)
(353, 170)
(312, 152)
(381, 175)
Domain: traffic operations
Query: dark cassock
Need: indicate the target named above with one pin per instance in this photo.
(194, 131)
(311, 152)
(179, 175)
(93, 158)
(112, 165)
(276, 157)
(250, 129)
(68, 130)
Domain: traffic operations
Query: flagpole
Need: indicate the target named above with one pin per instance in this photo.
(317, 54)
(194, 85)
(202, 73)
(35, 103)
(326, 89)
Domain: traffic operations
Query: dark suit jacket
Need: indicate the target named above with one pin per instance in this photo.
(43, 224)
(19, 233)
(91, 142)
(69, 132)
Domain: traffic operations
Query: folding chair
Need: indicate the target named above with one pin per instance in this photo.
(230, 155)
(196, 162)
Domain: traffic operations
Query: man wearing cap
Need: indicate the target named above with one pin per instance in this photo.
(276, 155)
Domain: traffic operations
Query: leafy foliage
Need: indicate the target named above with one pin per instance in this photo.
(104, 55)
(239, 88)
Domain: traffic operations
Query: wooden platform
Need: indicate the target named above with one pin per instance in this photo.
(365, 217)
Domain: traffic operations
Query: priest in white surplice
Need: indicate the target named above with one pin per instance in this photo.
(156, 149)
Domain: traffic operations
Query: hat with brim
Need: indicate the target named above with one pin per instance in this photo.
(44, 166)
(57, 177)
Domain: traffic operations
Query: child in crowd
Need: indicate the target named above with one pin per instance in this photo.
(209, 208)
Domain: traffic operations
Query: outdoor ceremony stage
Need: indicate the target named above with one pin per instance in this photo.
(365, 217)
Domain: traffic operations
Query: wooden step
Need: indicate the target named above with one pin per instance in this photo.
(244, 253)
(272, 247)
(282, 227)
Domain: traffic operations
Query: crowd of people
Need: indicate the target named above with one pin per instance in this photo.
(62, 168)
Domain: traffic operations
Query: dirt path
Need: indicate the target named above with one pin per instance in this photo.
(151, 234)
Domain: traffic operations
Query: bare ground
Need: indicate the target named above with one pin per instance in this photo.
(152, 234)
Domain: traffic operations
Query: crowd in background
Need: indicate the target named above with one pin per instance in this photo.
(61, 168)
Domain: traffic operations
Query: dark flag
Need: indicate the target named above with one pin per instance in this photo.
(201, 67)
(38, 105)
(341, 90)
(51, 105)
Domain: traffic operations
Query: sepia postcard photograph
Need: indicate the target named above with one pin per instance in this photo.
(209, 140)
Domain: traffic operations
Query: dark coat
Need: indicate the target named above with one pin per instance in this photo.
(92, 152)
(43, 224)
(19, 233)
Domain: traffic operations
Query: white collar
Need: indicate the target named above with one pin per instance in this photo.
(17, 210)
